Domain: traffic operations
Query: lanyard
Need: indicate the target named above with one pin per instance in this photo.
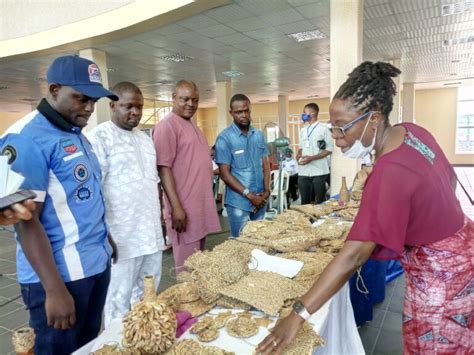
(310, 133)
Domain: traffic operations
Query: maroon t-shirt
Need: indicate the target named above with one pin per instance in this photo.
(409, 198)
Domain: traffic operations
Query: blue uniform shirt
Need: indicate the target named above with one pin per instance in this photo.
(59, 165)
(244, 154)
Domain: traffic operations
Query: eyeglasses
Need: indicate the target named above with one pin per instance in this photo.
(341, 131)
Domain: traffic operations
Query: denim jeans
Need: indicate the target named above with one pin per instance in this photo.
(238, 218)
(89, 298)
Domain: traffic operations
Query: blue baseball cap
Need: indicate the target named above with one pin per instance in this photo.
(79, 73)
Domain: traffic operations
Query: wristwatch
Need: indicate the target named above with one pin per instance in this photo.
(301, 310)
(245, 192)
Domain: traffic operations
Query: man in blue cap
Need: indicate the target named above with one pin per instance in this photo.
(64, 251)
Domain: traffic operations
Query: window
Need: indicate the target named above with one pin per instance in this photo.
(465, 121)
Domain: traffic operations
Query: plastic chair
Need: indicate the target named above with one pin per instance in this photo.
(284, 186)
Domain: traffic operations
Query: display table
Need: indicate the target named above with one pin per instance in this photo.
(334, 322)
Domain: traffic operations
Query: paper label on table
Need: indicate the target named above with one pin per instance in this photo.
(14, 181)
(263, 262)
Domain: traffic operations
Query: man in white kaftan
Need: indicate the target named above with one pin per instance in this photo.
(130, 185)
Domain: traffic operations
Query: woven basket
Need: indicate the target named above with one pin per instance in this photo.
(265, 291)
(185, 292)
(314, 265)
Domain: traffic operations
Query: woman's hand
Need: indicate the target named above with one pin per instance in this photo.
(282, 335)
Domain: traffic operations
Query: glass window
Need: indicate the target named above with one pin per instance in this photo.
(465, 120)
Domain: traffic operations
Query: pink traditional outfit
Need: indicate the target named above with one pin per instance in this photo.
(181, 146)
(409, 208)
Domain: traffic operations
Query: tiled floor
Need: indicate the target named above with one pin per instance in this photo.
(380, 336)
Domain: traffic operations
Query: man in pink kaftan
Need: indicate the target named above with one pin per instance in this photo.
(185, 170)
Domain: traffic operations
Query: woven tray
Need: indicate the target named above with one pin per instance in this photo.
(265, 291)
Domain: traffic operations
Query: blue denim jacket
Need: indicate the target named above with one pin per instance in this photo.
(244, 154)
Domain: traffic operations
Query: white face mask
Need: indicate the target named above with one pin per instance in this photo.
(358, 150)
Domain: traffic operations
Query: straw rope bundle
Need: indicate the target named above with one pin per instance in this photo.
(265, 291)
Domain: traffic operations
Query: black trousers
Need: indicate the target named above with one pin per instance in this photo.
(292, 187)
(312, 189)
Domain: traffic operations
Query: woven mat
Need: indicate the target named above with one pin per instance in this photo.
(265, 291)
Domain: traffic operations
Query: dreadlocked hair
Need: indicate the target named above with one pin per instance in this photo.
(370, 87)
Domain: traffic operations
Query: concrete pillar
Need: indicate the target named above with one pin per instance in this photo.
(346, 53)
(394, 117)
(408, 114)
(102, 110)
(283, 112)
(223, 95)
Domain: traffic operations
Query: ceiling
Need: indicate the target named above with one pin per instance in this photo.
(250, 36)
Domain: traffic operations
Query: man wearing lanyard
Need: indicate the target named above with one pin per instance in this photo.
(315, 146)
(63, 252)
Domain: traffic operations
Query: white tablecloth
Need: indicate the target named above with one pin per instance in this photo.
(334, 322)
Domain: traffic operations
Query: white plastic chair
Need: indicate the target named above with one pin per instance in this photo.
(284, 184)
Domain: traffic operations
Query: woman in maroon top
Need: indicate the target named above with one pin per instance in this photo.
(409, 211)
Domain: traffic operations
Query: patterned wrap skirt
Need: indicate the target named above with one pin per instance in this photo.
(438, 306)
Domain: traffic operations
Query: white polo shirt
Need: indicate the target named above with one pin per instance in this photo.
(309, 137)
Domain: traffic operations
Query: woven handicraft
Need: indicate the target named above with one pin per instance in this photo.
(229, 302)
(192, 347)
(293, 218)
(196, 308)
(149, 327)
(184, 276)
(233, 246)
(185, 292)
(271, 230)
(221, 319)
(329, 231)
(242, 327)
(348, 214)
(265, 291)
(214, 270)
(314, 265)
(115, 350)
(306, 339)
(316, 211)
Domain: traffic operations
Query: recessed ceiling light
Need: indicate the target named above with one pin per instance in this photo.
(28, 100)
(267, 84)
(263, 100)
(307, 35)
(40, 79)
(111, 70)
(456, 61)
(208, 90)
(453, 74)
(457, 8)
(292, 90)
(232, 73)
(449, 84)
(176, 58)
(455, 41)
